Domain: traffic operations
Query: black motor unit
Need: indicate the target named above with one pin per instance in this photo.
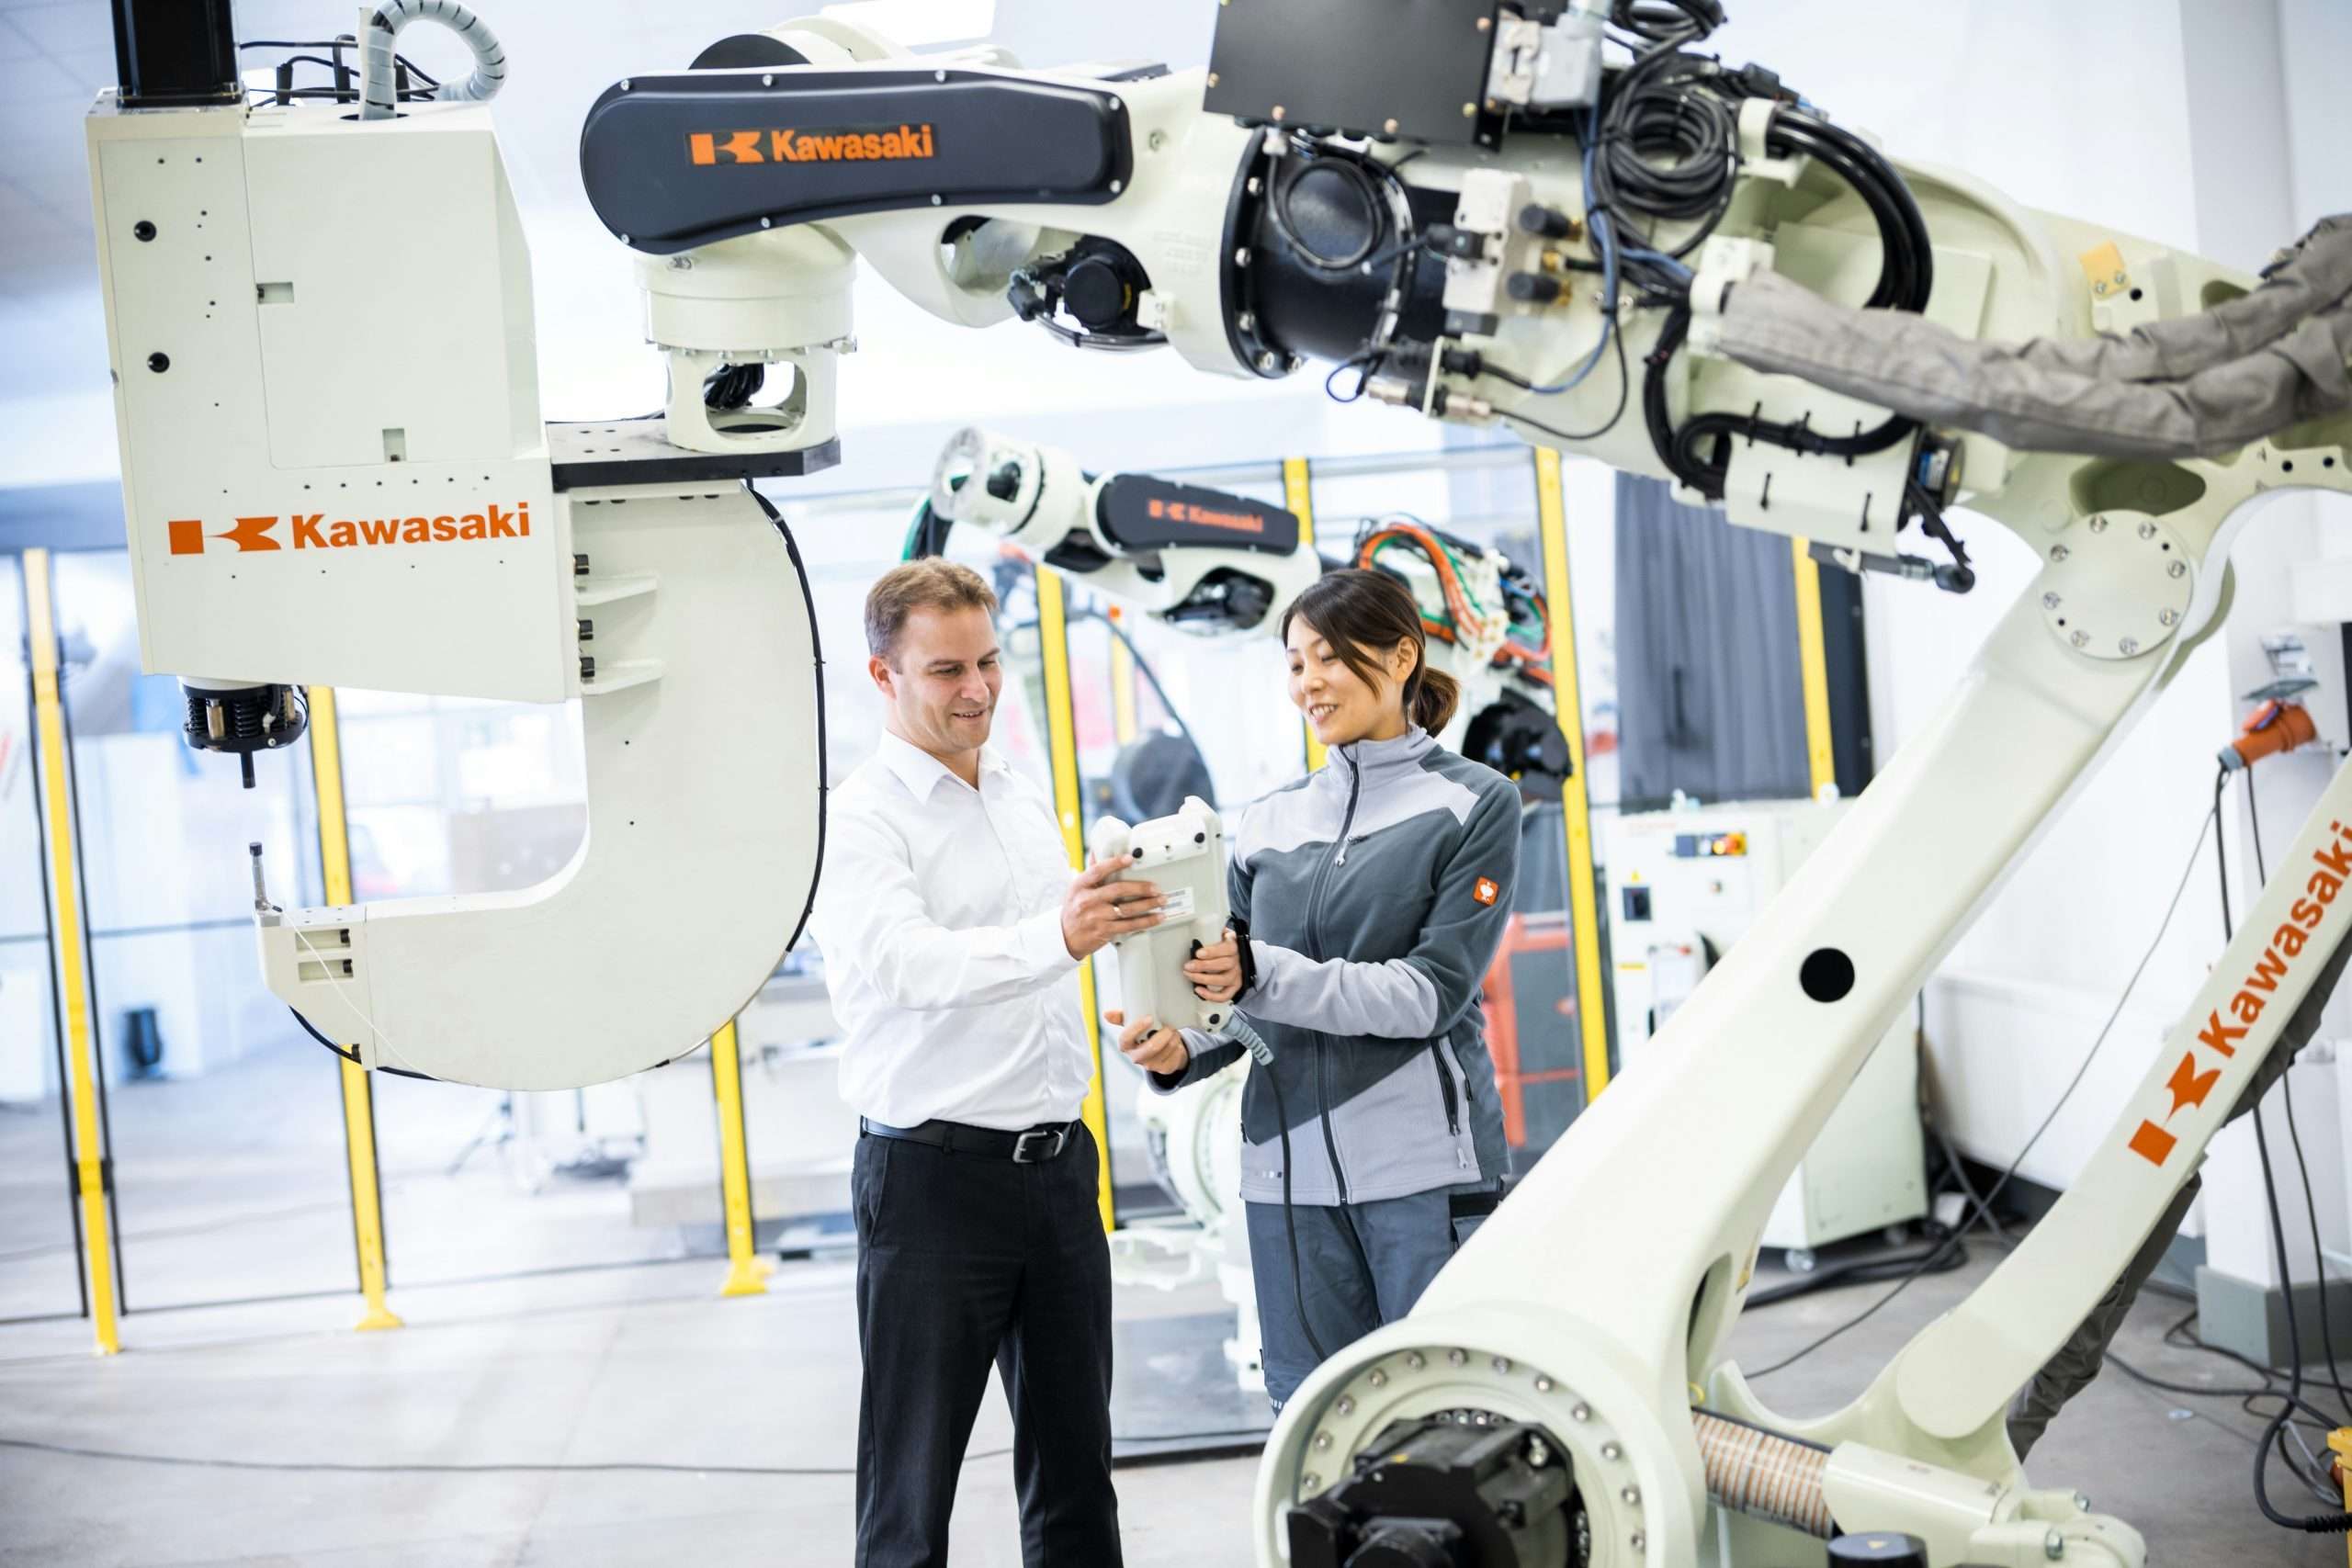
(245, 719)
(1441, 1493)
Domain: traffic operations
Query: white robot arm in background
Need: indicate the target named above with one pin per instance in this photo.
(1215, 564)
(1670, 266)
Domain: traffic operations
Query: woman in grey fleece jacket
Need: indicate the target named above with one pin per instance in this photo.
(1372, 894)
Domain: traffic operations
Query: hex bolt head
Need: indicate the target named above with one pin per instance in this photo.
(1345, 1405)
(1378, 1379)
(1459, 1358)
(2177, 569)
(1581, 1412)
(2050, 601)
(2169, 617)
(2059, 552)
(1611, 1452)
(1502, 1364)
(2147, 530)
(1631, 1496)
(1416, 1360)
(1267, 362)
(2053, 1546)
(1322, 1441)
(1310, 1482)
(2128, 645)
(2098, 524)
(2081, 640)
(1543, 1386)
(1638, 1542)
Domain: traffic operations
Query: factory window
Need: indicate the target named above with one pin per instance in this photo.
(225, 1119)
(38, 1267)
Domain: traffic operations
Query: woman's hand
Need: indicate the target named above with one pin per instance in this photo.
(1149, 1046)
(1216, 970)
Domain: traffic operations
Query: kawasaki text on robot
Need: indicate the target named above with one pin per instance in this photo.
(1186, 511)
(794, 146)
(312, 531)
(2331, 868)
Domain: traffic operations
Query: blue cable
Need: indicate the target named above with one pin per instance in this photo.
(1604, 240)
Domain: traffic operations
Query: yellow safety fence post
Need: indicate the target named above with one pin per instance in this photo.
(2340, 1442)
(1061, 744)
(358, 1088)
(92, 1170)
(1568, 704)
(746, 1273)
(1298, 494)
(1123, 682)
(1813, 668)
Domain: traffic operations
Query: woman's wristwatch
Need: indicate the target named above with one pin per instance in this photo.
(1245, 952)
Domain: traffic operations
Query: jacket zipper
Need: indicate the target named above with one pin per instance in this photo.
(1314, 951)
(1445, 1086)
(1454, 1094)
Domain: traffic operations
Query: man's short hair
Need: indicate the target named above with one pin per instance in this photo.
(927, 584)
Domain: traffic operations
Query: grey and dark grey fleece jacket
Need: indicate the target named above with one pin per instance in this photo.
(1375, 890)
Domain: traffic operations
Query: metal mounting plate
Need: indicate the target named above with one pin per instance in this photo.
(2117, 585)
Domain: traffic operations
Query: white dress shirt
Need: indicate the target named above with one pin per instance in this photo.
(939, 917)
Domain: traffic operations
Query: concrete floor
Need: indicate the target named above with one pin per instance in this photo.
(644, 1364)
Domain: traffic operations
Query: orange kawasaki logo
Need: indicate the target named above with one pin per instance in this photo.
(2192, 1081)
(1206, 518)
(313, 531)
(794, 146)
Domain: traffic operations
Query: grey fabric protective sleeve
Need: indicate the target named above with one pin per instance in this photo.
(2199, 386)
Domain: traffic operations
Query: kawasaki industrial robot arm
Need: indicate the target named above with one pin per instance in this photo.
(1215, 564)
(1463, 210)
(1666, 265)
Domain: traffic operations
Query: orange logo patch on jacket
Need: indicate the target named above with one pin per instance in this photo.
(1487, 890)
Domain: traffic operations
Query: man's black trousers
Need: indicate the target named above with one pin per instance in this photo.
(964, 1261)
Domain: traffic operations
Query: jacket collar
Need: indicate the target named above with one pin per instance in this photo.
(1375, 759)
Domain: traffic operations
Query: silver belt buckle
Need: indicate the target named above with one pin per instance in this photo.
(1025, 1148)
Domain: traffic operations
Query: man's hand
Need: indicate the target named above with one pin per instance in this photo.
(1149, 1046)
(1098, 911)
(1216, 970)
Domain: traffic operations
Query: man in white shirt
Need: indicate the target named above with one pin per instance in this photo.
(952, 930)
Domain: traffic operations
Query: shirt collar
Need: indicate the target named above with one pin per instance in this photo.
(921, 771)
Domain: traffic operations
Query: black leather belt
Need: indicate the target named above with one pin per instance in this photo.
(1033, 1146)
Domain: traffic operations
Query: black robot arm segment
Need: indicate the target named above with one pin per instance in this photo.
(671, 162)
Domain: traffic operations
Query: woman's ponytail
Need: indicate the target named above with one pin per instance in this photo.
(1434, 697)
